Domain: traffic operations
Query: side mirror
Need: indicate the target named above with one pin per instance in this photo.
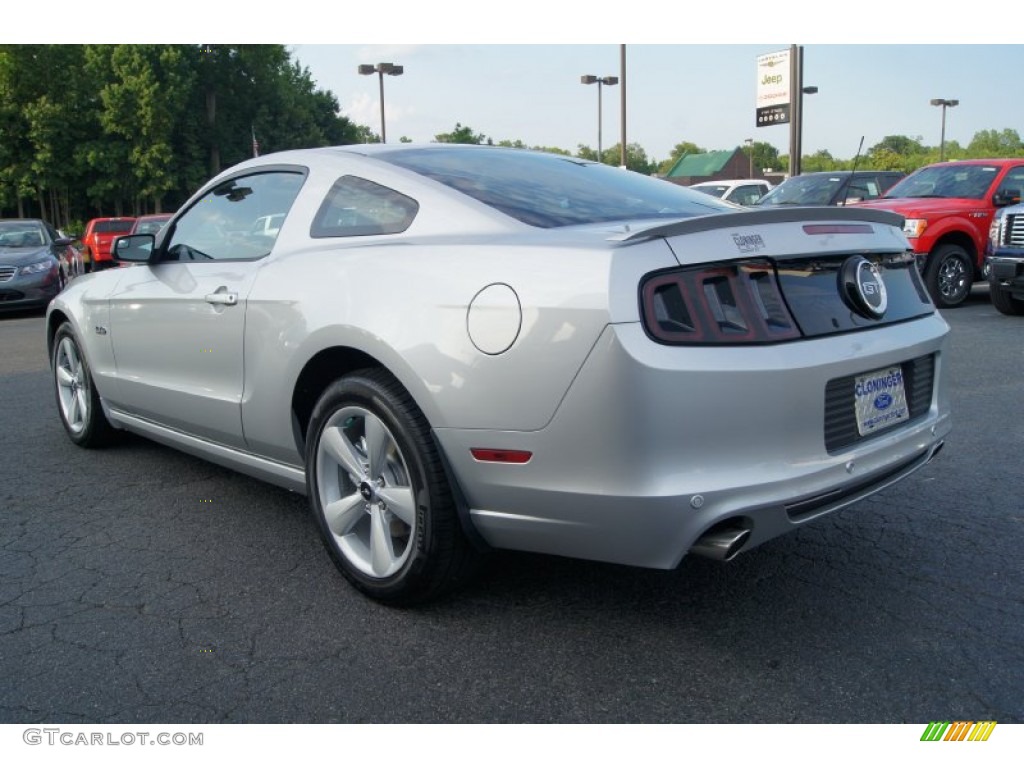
(1006, 197)
(64, 241)
(137, 249)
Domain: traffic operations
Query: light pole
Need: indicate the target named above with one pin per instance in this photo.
(590, 80)
(942, 141)
(384, 68)
(796, 118)
(750, 156)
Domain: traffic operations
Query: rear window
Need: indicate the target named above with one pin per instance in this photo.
(551, 190)
(114, 226)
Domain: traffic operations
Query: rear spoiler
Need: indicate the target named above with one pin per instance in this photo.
(748, 218)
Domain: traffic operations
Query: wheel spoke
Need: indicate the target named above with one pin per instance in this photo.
(74, 414)
(342, 514)
(400, 502)
(73, 362)
(343, 452)
(382, 552)
(83, 405)
(378, 442)
(64, 377)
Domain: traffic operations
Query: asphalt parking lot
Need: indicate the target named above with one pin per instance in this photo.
(140, 585)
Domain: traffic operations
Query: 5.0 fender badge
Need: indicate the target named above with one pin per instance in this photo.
(862, 288)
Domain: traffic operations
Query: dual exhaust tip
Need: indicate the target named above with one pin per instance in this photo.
(723, 542)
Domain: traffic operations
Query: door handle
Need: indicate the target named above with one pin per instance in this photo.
(222, 296)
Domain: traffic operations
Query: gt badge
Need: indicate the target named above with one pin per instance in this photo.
(862, 288)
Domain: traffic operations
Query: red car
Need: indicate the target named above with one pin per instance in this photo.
(947, 209)
(98, 238)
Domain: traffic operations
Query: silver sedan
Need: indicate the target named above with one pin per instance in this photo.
(456, 348)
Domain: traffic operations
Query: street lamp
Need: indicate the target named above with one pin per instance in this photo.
(590, 80)
(385, 68)
(942, 141)
(750, 156)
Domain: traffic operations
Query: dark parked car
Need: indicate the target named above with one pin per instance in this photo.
(831, 188)
(36, 262)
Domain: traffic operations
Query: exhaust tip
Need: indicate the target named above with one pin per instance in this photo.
(722, 542)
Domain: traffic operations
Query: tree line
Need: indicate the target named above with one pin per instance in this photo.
(105, 130)
(109, 130)
(892, 153)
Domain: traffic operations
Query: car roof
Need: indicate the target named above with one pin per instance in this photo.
(729, 182)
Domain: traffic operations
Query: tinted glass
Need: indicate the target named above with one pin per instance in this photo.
(356, 206)
(813, 189)
(963, 181)
(552, 190)
(114, 226)
(18, 234)
(220, 226)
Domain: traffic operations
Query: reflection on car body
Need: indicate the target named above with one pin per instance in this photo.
(456, 348)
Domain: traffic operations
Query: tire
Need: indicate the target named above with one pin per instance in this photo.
(1003, 300)
(379, 493)
(949, 276)
(78, 403)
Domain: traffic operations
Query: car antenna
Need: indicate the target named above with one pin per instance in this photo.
(849, 180)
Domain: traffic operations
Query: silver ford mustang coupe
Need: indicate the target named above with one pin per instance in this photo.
(455, 348)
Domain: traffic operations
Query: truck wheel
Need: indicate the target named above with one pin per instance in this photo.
(1003, 300)
(949, 276)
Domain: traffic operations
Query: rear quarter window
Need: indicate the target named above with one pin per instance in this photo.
(355, 206)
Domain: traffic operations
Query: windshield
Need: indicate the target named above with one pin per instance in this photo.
(17, 234)
(817, 189)
(963, 181)
(546, 190)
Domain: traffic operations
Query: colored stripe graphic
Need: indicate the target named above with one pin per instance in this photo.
(982, 731)
(960, 730)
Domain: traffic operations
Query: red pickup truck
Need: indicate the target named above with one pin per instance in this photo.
(947, 209)
(98, 237)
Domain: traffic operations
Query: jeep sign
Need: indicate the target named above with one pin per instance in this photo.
(773, 99)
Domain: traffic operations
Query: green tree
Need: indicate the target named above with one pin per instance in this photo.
(636, 157)
(462, 134)
(678, 151)
(1005, 143)
(765, 156)
(821, 160)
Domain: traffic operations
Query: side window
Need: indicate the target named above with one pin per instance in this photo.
(748, 194)
(356, 206)
(1013, 181)
(227, 223)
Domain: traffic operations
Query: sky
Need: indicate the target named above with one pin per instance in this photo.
(512, 71)
(703, 94)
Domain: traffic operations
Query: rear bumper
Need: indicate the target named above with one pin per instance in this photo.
(653, 446)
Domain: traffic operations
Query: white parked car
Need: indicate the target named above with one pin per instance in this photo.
(453, 348)
(739, 191)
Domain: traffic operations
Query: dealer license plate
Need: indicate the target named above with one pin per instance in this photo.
(880, 400)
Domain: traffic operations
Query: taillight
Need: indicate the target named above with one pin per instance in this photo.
(738, 303)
